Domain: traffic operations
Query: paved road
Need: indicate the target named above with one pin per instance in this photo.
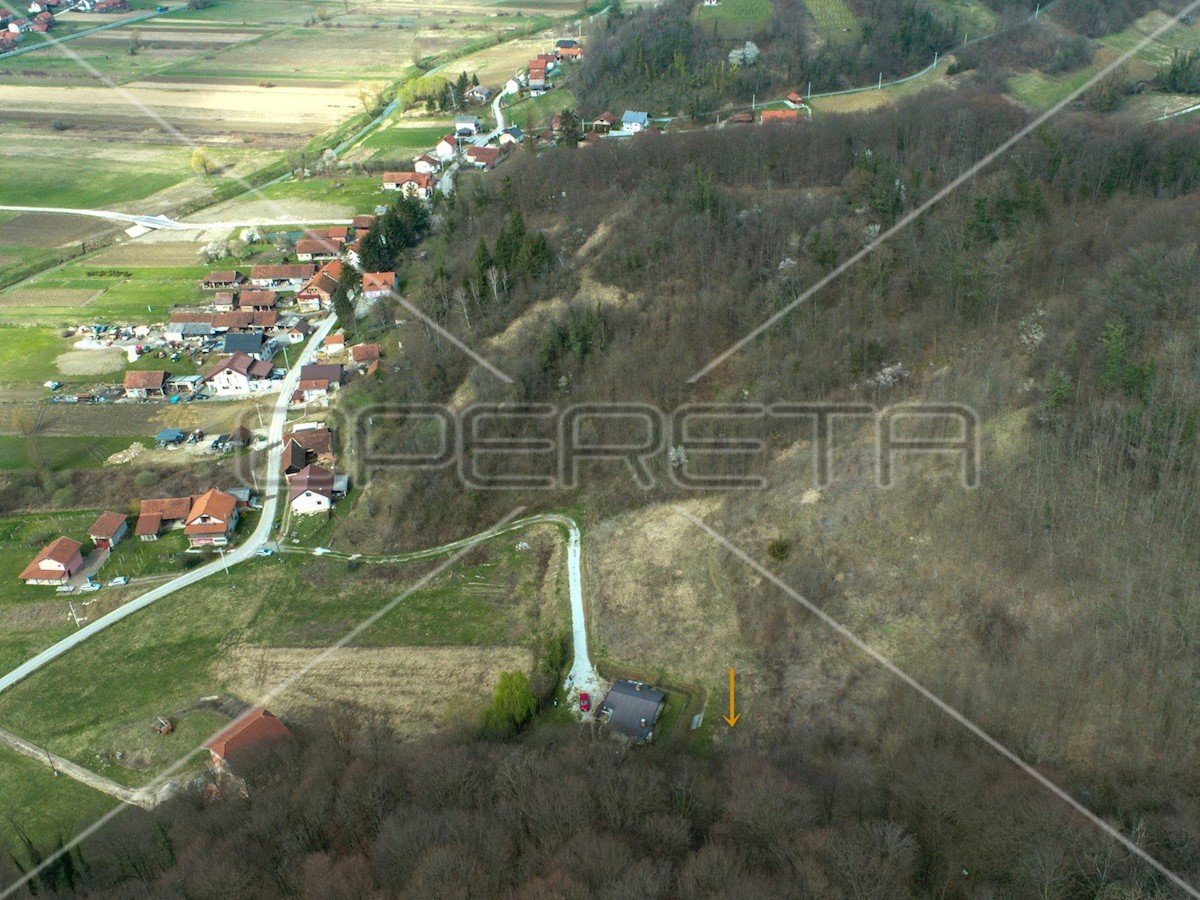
(164, 222)
(242, 552)
(583, 675)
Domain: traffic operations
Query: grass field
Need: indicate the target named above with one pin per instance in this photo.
(834, 20)
(1158, 51)
(735, 18)
(163, 660)
(539, 110)
(972, 17)
(401, 141)
(1043, 91)
(59, 453)
(52, 807)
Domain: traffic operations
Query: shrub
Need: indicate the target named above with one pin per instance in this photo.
(779, 549)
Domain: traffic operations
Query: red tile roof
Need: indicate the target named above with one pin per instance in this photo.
(254, 728)
(107, 526)
(153, 381)
(378, 281)
(779, 116)
(61, 550)
(364, 353)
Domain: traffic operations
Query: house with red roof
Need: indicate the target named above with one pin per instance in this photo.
(240, 373)
(378, 284)
(254, 731)
(141, 385)
(426, 165)
(57, 562)
(364, 354)
(779, 117)
(317, 292)
(108, 530)
(156, 514)
(212, 519)
(414, 184)
(446, 148)
(310, 491)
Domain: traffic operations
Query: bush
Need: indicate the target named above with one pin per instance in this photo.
(779, 549)
(146, 479)
(60, 125)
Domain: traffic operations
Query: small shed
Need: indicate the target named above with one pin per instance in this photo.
(108, 530)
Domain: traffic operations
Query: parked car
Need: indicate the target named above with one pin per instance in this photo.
(89, 587)
(118, 581)
(585, 702)
(54, 385)
(264, 551)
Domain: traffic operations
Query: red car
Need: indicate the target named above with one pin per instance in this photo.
(585, 703)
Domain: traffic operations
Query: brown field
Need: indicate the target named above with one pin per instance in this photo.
(133, 418)
(45, 230)
(421, 689)
(90, 362)
(48, 297)
(198, 107)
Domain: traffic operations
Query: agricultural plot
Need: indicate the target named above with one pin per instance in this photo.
(195, 643)
(93, 293)
(401, 140)
(314, 199)
(60, 453)
(834, 20)
(735, 18)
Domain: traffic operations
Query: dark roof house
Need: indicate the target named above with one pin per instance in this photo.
(633, 709)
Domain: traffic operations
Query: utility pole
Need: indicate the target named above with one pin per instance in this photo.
(880, 86)
(221, 550)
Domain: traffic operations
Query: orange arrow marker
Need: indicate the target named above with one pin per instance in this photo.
(733, 716)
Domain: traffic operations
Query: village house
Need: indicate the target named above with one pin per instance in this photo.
(310, 491)
(225, 301)
(604, 123)
(334, 343)
(479, 94)
(512, 135)
(741, 118)
(794, 100)
(317, 380)
(364, 355)
(317, 293)
(485, 157)
(426, 165)
(238, 374)
(352, 253)
(157, 514)
(306, 445)
(282, 278)
(252, 343)
(779, 117)
(633, 121)
(362, 224)
(43, 22)
(108, 530)
(141, 385)
(298, 331)
(378, 284)
(413, 184)
(255, 731)
(465, 125)
(212, 519)
(110, 6)
(632, 709)
(258, 300)
(308, 249)
(446, 148)
(223, 281)
(57, 562)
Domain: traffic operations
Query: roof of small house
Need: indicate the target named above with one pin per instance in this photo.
(779, 116)
(258, 299)
(107, 526)
(313, 478)
(331, 372)
(317, 247)
(213, 503)
(295, 457)
(286, 272)
(224, 277)
(153, 380)
(242, 364)
(634, 117)
(254, 728)
(364, 353)
(378, 281)
(629, 704)
(60, 550)
(314, 440)
(244, 342)
(167, 508)
(607, 118)
(147, 524)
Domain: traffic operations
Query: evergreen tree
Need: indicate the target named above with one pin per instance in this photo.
(571, 133)
(483, 262)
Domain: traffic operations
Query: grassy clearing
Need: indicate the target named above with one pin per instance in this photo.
(1158, 51)
(834, 20)
(358, 193)
(399, 141)
(1043, 91)
(537, 111)
(28, 354)
(971, 16)
(52, 807)
(59, 453)
(163, 660)
(735, 18)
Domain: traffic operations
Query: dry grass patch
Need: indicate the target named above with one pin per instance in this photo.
(145, 253)
(420, 689)
(38, 297)
(90, 362)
